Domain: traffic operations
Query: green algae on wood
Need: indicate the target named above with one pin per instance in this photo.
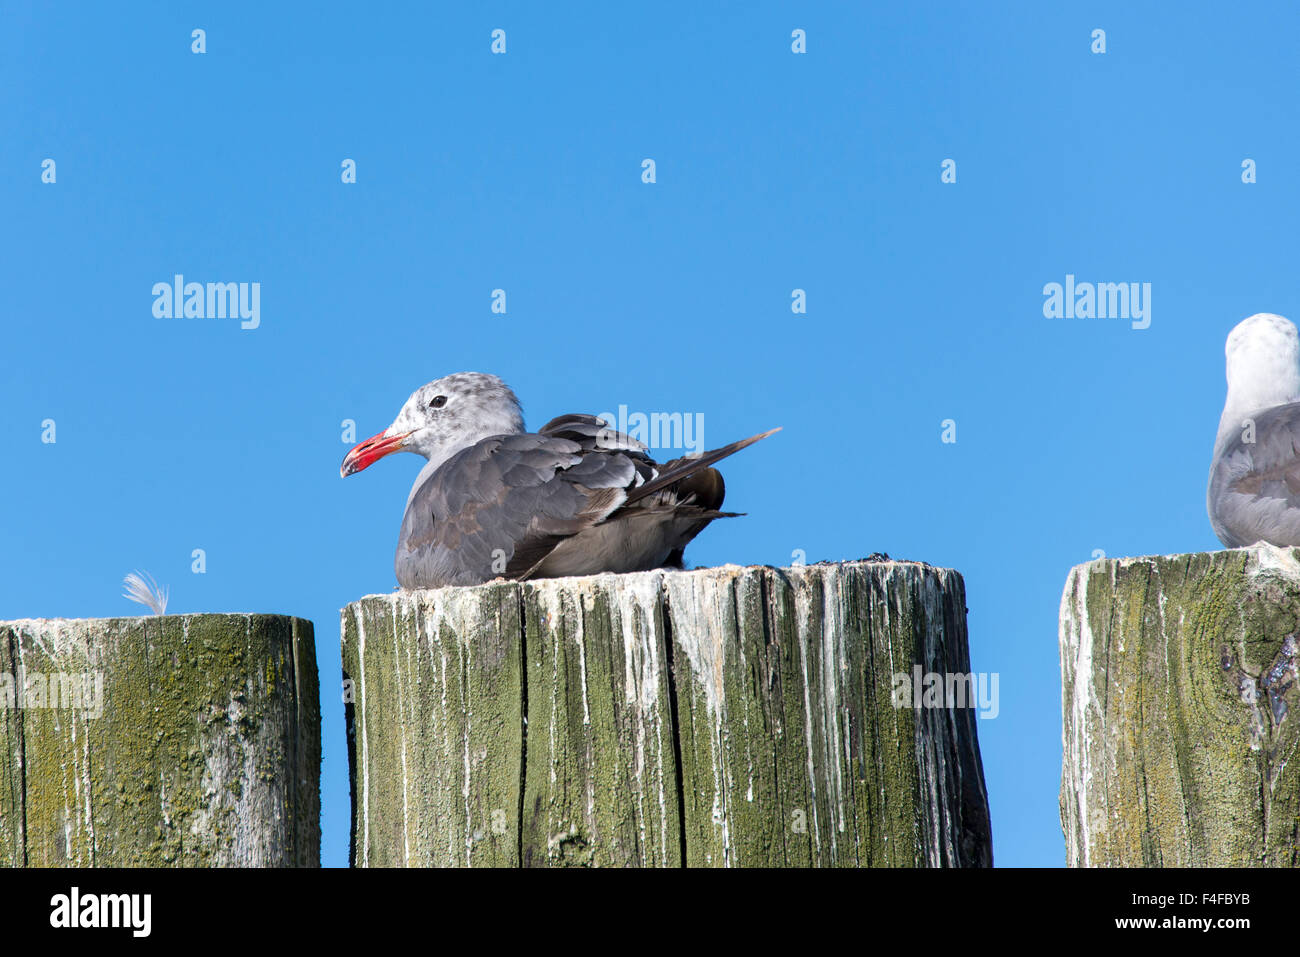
(196, 742)
(439, 727)
(600, 785)
(719, 717)
(1175, 754)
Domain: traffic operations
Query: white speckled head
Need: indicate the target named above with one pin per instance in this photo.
(456, 411)
(1263, 366)
(443, 417)
(1263, 354)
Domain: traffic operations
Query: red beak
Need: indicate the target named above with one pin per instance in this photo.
(370, 451)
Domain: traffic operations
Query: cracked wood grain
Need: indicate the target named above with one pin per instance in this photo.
(203, 750)
(1178, 726)
(719, 717)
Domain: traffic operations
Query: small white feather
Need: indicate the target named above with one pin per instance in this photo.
(146, 591)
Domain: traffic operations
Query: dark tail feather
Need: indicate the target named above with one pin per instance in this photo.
(681, 468)
(704, 488)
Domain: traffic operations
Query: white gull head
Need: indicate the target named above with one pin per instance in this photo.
(442, 418)
(1263, 359)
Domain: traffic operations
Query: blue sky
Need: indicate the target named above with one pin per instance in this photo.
(522, 171)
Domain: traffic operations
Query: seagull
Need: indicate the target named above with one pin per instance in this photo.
(574, 498)
(1254, 489)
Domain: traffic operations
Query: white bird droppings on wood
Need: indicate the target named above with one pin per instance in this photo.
(727, 716)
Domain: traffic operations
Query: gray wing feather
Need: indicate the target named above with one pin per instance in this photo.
(511, 498)
(590, 430)
(1254, 489)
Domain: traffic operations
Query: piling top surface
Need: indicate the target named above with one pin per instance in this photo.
(728, 570)
(1283, 557)
(137, 619)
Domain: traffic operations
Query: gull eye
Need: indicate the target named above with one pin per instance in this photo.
(438, 402)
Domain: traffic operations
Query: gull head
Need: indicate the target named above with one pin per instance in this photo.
(1263, 366)
(441, 418)
(1263, 355)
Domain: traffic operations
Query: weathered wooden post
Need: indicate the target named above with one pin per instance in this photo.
(1178, 708)
(719, 717)
(175, 740)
